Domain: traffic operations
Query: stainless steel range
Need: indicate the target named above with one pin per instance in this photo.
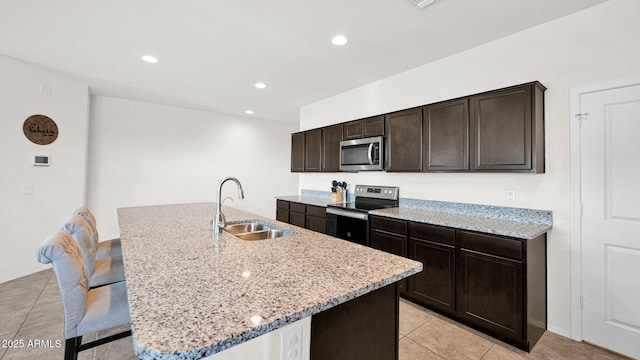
(350, 221)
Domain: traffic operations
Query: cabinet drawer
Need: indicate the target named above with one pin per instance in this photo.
(433, 233)
(282, 204)
(390, 225)
(493, 245)
(282, 215)
(317, 211)
(318, 224)
(297, 219)
(391, 243)
(297, 207)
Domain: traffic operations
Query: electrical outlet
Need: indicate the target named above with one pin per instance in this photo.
(511, 196)
(291, 343)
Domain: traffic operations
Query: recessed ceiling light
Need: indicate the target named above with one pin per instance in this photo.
(150, 59)
(339, 40)
(260, 85)
(250, 112)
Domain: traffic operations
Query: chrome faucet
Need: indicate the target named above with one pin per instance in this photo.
(218, 220)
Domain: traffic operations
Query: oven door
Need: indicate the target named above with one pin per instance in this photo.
(348, 225)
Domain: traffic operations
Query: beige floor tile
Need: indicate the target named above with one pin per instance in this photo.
(44, 342)
(450, 341)
(412, 317)
(4, 338)
(602, 354)
(121, 349)
(498, 352)
(29, 287)
(410, 350)
(552, 346)
(13, 311)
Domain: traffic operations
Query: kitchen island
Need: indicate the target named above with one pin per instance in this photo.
(193, 293)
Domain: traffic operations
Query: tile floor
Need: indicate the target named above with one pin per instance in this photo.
(30, 309)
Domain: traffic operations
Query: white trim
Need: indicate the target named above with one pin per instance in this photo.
(560, 331)
(576, 226)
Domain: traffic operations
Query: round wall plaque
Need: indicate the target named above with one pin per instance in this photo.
(40, 129)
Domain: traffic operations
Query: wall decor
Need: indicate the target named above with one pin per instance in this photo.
(40, 129)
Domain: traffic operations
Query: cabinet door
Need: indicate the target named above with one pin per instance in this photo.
(501, 125)
(404, 140)
(446, 136)
(313, 150)
(373, 126)
(331, 137)
(392, 243)
(490, 293)
(282, 215)
(435, 285)
(353, 130)
(389, 242)
(297, 152)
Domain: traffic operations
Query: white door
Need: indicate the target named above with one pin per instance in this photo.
(610, 162)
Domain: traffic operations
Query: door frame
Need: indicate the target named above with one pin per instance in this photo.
(575, 194)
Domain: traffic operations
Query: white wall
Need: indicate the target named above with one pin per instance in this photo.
(26, 220)
(592, 46)
(144, 154)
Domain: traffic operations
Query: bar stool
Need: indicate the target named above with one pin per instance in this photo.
(106, 248)
(101, 272)
(84, 311)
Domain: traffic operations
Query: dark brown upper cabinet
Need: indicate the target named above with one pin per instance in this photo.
(297, 152)
(404, 140)
(446, 136)
(508, 130)
(331, 137)
(313, 150)
(369, 127)
(496, 131)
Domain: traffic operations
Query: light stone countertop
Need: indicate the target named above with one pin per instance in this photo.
(309, 200)
(193, 293)
(512, 228)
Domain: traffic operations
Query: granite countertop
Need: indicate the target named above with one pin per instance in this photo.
(497, 226)
(193, 293)
(309, 200)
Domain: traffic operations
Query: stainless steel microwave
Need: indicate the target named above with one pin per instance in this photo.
(362, 154)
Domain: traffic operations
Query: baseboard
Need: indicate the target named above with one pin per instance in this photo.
(560, 331)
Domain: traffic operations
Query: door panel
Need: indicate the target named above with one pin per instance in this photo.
(611, 218)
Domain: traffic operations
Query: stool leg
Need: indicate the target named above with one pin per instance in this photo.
(71, 348)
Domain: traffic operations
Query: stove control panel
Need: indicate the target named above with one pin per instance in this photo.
(377, 192)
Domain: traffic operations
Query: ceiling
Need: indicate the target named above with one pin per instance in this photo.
(212, 52)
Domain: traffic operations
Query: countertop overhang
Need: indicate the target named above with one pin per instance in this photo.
(193, 293)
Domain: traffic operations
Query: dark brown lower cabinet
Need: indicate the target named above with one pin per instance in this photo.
(306, 216)
(297, 214)
(282, 211)
(490, 293)
(389, 235)
(496, 284)
(364, 328)
(435, 285)
(316, 219)
(434, 246)
(502, 286)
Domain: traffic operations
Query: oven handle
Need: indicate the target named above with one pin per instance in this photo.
(346, 213)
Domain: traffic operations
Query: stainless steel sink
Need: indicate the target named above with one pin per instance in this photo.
(252, 230)
(260, 235)
(244, 228)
